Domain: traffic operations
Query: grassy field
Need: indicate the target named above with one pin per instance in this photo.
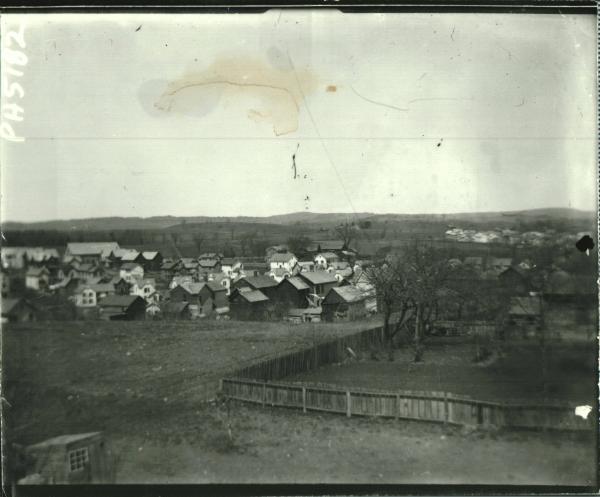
(64, 377)
(447, 366)
(143, 385)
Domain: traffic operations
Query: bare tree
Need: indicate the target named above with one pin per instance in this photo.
(346, 232)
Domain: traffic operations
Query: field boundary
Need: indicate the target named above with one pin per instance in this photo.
(437, 407)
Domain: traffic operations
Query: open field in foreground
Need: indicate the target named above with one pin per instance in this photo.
(447, 366)
(284, 446)
(65, 377)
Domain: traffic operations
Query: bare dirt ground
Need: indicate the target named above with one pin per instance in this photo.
(281, 446)
(142, 384)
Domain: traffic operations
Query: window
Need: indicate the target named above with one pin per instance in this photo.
(78, 459)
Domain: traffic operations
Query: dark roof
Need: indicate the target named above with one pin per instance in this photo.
(318, 277)
(347, 294)
(92, 248)
(253, 296)
(296, 282)
(119, 300)
(8, 305)
(65, 439)
(130, 265)
(327, 245)
(208, 262)
(36, 271)
(215, 286)
(174, 307)
(260, 281)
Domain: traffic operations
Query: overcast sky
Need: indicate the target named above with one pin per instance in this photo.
(142, 115)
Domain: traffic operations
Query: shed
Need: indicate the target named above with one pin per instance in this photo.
(344, 303)
(17, 310)
(249, 305)
(71, 459)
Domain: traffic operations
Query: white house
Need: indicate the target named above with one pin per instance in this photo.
(145, 288)
(285, 261)
(88, 295)
(323, 259)
(37, 278)
(130, 271)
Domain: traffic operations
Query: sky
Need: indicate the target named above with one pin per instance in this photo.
(261, 114)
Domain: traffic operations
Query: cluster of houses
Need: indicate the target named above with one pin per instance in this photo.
(103, 280)
(325, 282)
(511, 237)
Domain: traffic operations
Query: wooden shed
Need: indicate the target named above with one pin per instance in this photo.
(79, 458)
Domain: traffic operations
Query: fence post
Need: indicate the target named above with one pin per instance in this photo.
(221, 385)
(446, 413)
(304, 399)
(397, 409)
(264, 400)
(348, 404)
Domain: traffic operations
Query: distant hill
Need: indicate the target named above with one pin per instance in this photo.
(295, 218)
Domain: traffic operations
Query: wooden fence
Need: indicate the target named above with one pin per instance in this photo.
(311, 358)
(439, 407)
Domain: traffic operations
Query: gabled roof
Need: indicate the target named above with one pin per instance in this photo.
(318, 277)
(150, 256)
(297, 282)
(64, 439)
(346, 293)
(37, 271)
(130, 255)
(174, 307)
(328, 255)
(119, 300)
(7, 305)
(228, 261)
(253, 296)
(192, 288)
(260, 281)
(208, 263)
(215, 286)
(92, 248)
(141, 282)
(282, 257)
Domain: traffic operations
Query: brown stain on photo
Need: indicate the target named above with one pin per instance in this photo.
(273, 92)
(331, 88)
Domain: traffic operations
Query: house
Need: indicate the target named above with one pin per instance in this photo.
(153, 309)
(84, 270)
(279, 274)
(23, 257)
(344, 303)
(275, 249)
(230, 267)
(285, 260)
(218, 294)
(292, 292)
(189, 265)
(343, 276)
(176, 310)
(306, 265)
(171, 268)
(90, 253)
(253, 269)
(132, 256)
(65, 287)
(70, 459)
(181, 280)
(17, 311)
(130, 271)
(145, 288)
(308, 315)
(211, 255)
(152, 260)
(122, 286)
(89, 295)
(320, 282)
(122, 308)
(263, 283)
(208, 265)
(37, 278)
(323, 259)
(247, 304)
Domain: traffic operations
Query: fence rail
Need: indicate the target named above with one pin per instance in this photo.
(439, 407)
